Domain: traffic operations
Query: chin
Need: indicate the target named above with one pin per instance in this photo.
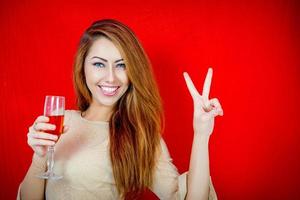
(108, 101)
(109, 104)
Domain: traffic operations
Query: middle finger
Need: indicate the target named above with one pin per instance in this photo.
(42, 135)
(44, 127)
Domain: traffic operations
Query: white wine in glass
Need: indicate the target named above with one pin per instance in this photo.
(54, 108)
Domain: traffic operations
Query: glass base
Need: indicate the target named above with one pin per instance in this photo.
(49, 175)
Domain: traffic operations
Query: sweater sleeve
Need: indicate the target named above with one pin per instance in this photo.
(165, 184)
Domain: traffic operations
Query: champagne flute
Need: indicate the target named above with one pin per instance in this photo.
(54, 108)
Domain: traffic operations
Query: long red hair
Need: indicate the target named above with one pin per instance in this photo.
(136, 122)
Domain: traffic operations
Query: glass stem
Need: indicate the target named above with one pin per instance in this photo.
(50, 160)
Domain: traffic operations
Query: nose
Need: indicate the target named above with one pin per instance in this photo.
(110, 75)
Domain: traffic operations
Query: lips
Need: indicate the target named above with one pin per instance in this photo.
(109, 90)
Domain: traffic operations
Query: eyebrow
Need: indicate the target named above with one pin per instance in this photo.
(106, 60)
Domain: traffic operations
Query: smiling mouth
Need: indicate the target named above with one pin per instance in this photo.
(109, 90)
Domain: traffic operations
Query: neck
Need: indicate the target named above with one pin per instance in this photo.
(97, 113)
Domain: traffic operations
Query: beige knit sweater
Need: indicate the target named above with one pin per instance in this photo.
(82, 157)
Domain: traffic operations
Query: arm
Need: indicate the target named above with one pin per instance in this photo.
(31, 186)
(199, 175)
(205, 111)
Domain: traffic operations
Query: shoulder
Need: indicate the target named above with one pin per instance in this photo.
(164, 149)
(164, 162)
(69, 114)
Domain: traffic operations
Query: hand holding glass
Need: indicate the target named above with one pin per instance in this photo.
(54, 108)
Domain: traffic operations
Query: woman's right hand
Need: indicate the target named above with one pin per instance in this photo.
(38, 138)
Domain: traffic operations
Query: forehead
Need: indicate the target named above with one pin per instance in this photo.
(104, 48)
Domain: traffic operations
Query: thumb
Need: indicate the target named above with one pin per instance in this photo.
(207, 106)
(215, 112)
(66, 128)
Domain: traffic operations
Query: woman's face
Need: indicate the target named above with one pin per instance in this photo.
(105, 73)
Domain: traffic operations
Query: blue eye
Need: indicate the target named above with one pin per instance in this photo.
(121, 65)
(98, 64)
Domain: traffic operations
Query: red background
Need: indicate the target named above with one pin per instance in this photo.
(253, 47)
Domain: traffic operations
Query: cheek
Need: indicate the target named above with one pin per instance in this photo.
(123, 78)
(92, 76)
(89, 79)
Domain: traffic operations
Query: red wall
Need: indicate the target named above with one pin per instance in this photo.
(251, 45)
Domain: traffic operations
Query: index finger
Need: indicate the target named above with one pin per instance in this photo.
(41, 118)
(192, 89)
(207, 83)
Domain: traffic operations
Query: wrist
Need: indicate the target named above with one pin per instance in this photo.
(39, 161)
(203, 138)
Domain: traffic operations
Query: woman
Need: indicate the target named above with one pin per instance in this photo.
(112, 148)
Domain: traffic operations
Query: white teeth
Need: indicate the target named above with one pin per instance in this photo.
(109, 89)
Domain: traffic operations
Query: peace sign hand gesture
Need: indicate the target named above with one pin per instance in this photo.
(205, 110)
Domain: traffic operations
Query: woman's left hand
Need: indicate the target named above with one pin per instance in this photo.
(205, 109)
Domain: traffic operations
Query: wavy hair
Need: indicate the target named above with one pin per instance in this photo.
(136, 122)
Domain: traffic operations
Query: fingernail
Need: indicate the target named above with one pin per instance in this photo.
(221, 112)
(66, 128)
(215, 112)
